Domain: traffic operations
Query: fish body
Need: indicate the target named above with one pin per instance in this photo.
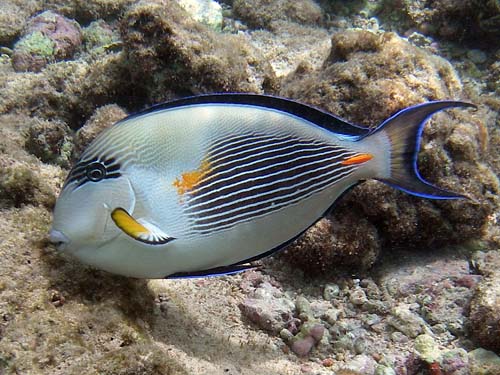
(202, 185)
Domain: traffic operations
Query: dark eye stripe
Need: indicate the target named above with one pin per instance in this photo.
(81, 174)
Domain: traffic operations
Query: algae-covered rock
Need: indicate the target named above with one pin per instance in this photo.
(427, 348)
(208, 12)
(89, 10)
(366, 78)
(485, 304)
(13, 18)
(99, 34)
(51, 141)
(471, 20)
(264, 14)
(48, 37)
(188, 58)
(318, 249)
(484, 362)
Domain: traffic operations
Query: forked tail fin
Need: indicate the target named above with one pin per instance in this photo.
(404, 130)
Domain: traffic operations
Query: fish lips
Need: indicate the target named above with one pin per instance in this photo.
(58, 239)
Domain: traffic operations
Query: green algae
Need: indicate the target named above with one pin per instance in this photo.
(38, 44)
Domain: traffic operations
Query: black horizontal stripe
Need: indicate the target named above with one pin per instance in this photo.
(273, 191)
(269, 154)
(263, 208)
(254, 183)
(252, 176)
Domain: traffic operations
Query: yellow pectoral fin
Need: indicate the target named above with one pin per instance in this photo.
(139, 230)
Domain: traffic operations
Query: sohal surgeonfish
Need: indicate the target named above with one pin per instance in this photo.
(204, 185)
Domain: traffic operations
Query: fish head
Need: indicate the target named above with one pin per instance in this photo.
(82, 214)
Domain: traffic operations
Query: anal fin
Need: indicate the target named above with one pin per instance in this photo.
(217, 271)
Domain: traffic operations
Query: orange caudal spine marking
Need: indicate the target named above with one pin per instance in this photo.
(188, 180)
(358, 159)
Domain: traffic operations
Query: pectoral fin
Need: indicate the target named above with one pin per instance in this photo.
(140, 230)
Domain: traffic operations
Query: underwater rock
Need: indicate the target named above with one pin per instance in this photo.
(427, 348)
(483, 362)
(263, 14)
(89, 10)
(99, 34)
(406, 322)
(485, 305)
(189, 58)
(310, 334)
(362, 364)
(208, 12)
(268, 308)
(102, 118)
(18, 184)
(366, 78)
(48, 37)
(12, 19)
(319, 249)
(51, 142)
(471, 20)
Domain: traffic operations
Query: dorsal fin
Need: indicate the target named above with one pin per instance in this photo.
(317, 116)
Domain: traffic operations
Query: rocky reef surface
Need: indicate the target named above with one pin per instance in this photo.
(385, 284)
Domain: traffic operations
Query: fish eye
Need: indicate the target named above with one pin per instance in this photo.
(95, 172)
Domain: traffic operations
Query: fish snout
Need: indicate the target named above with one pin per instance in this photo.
(58, 239)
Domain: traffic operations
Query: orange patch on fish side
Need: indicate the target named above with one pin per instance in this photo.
(188, 180)
(358, 159)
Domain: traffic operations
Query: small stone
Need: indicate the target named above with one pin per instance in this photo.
(303, 346)
(427, 348)
(371, 319)
(303, 307)
(328, 362)
(331, 315)
(455, 362)
(477, 56)
(483, 362)
(317, 331)
(358, 297)
(363, 364)
(286, 335)
(359, 345)
(406, 322)
(331, 291)
(399, 337)
(384, 370)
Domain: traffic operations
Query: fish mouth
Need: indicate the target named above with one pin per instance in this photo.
(58, 239)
